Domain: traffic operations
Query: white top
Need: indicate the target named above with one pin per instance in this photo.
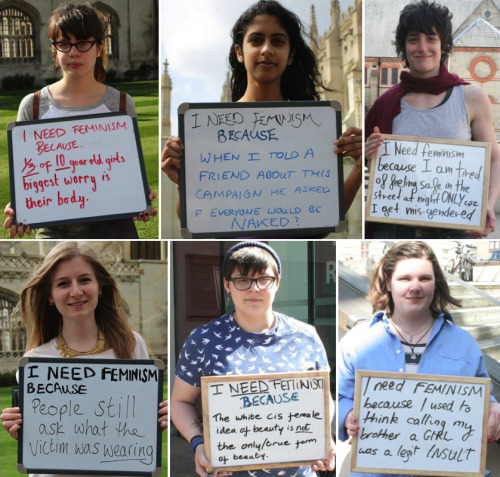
(48, 350)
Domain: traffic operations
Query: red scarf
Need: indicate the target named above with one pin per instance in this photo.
(388, 106)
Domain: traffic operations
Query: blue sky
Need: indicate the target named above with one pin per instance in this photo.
(194, 38)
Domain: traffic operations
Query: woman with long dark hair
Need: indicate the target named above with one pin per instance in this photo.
(271, 61)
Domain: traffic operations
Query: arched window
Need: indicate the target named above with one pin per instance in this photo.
(17, 42)
(12, 333)
(112, 26)
(394, 75)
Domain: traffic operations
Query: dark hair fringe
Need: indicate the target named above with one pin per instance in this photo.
(250, 259)
(83, 21)
(423, 17)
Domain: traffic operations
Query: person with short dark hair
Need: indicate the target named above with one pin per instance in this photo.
(431, 102)
(242, 343)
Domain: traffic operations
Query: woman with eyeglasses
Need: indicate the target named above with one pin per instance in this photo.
(253, 339)
(77, 31)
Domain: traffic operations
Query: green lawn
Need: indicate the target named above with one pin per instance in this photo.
(145, 94)
(8, 446)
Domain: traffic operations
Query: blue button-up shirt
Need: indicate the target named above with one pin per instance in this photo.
(374, 346)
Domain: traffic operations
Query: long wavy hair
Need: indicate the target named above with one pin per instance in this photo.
(44, 322)
(422, 17)
(381, 298)
(83, 21)
(302, 78)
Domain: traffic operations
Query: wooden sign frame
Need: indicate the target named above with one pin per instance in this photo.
(52, 438)
(436, 434)
(235, 206)
(43, 169)
(401, 192)
(210, 435)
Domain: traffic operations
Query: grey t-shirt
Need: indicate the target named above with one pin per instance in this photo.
(51, 109)
(449, 120)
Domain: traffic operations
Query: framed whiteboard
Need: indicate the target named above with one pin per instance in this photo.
(430, 183)
(76, 169)
(262, 169)
(90, 416)
(267, 420)
(420, 424)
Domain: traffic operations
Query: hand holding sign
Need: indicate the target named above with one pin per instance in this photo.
(12, 419)
(420, 424)
(351, 424)
(171, 158)
(373, 144)
(494, 422)
(429, 182)
(76, 169)
(11, 224)
(350, 143)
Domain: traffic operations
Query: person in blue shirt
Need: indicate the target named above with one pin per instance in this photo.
(253, 339)
(412, 331)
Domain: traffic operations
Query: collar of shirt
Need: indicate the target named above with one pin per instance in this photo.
(381, 317)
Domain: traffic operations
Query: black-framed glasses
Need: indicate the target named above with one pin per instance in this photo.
(81, 46)
(244, 283)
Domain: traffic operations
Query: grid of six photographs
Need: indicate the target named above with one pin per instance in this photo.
(204, 272)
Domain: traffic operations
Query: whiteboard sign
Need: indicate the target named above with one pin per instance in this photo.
(264, 169)
(420, 424)
(430, 183)
(90, 416)
(266, 421)
(76, 169)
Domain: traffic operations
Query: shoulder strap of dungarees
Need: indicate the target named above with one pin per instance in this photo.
(36, 104)
(123, 101)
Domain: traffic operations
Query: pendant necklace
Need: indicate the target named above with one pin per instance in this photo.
(413, 355)
(410, 340)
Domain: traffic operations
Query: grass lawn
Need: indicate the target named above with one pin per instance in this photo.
(145, 94)
(8, 446)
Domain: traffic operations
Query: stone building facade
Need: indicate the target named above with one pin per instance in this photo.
(140, 269)
(131, 37)
(339, 55)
